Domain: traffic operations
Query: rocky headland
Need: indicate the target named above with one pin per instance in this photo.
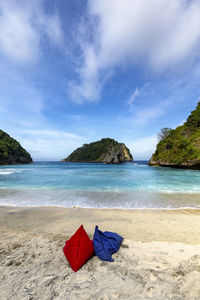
(180, 148)
(106, 150)
(11, 152)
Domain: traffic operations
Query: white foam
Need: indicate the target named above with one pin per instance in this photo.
(6, 172)
(10, 171)
(139, 165)
(97, 207)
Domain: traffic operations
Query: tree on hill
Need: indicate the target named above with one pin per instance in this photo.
(164, 133)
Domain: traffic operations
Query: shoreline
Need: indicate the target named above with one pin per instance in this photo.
(99, 208)
(99, 199)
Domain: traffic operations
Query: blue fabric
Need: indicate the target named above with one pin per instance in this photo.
(106, 243)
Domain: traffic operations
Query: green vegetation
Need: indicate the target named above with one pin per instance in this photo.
(11, 152)
(94, 152)
(91, 152)
(164, 133)
(181, 144)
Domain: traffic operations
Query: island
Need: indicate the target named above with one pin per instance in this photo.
(11, 152)
(180, 147)
(106, 150)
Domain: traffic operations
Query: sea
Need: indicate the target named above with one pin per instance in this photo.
(132, 185)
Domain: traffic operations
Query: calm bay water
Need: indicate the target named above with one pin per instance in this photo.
(131, 185)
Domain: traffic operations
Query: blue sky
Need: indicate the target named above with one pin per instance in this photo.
(72, 72)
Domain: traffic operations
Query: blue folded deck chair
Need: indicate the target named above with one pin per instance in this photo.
(106, 243)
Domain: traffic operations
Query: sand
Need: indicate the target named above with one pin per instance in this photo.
(158, 259)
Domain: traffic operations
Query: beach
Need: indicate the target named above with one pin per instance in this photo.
(100, 128)
(159, 257)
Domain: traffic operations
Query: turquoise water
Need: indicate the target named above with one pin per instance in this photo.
(131, 185)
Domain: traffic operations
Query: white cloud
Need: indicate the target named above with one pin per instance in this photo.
(145, 116)
(180, 124)
(133, 97)
(47, 144)
(23, 25)
(154, 34)
(76, 117)
(42, 149)
(21, 100)
(87, 90)
(48, 134)
(143, 148)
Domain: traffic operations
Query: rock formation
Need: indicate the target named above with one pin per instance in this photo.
(181, 146)
(106, 150)
(11, 152)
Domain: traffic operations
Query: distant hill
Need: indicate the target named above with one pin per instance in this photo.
(181, 146)
(106, 150)
(11, 152)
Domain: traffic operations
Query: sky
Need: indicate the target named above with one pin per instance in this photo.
(76, 71)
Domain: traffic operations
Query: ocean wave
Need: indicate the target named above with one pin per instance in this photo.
(10, 171)
(48, 204)
(6, 173)
(98, 200)
(196, 192)
(140, 165)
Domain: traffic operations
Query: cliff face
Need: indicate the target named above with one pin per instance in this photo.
(117, 154)
(181, 148)
(11, 152)
(106, 150)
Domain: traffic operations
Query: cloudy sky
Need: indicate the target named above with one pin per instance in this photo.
(75, 71)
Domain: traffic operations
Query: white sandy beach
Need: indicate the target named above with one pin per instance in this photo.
(158, 259)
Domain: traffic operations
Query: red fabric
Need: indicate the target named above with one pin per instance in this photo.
(78, 249)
